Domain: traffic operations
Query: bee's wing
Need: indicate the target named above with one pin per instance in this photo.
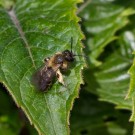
(37, 77)
(43, 77)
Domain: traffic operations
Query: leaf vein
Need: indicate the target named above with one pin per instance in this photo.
(17, 24)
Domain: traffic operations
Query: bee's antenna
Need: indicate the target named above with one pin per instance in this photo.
(71, 44)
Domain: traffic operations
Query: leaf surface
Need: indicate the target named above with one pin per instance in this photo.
(30, 32)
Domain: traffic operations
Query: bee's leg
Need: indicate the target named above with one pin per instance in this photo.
(60, 77)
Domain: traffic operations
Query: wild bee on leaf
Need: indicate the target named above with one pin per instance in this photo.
(52, 68)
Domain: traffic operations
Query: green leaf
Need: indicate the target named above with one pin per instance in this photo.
(30, 32)
(131, 92)
(132, 84)
(98, 117)
(102, 19)
(111, 80)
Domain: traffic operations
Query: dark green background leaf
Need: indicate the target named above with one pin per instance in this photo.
(109, 47)
(90, 116)
(10, 122)
(101, 20)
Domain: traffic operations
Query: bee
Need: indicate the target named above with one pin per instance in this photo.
(52, 69)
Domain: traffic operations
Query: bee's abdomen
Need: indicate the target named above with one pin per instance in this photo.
(47, 77)
(44, 78)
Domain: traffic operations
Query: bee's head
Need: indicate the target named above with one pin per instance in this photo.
(68, 55)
